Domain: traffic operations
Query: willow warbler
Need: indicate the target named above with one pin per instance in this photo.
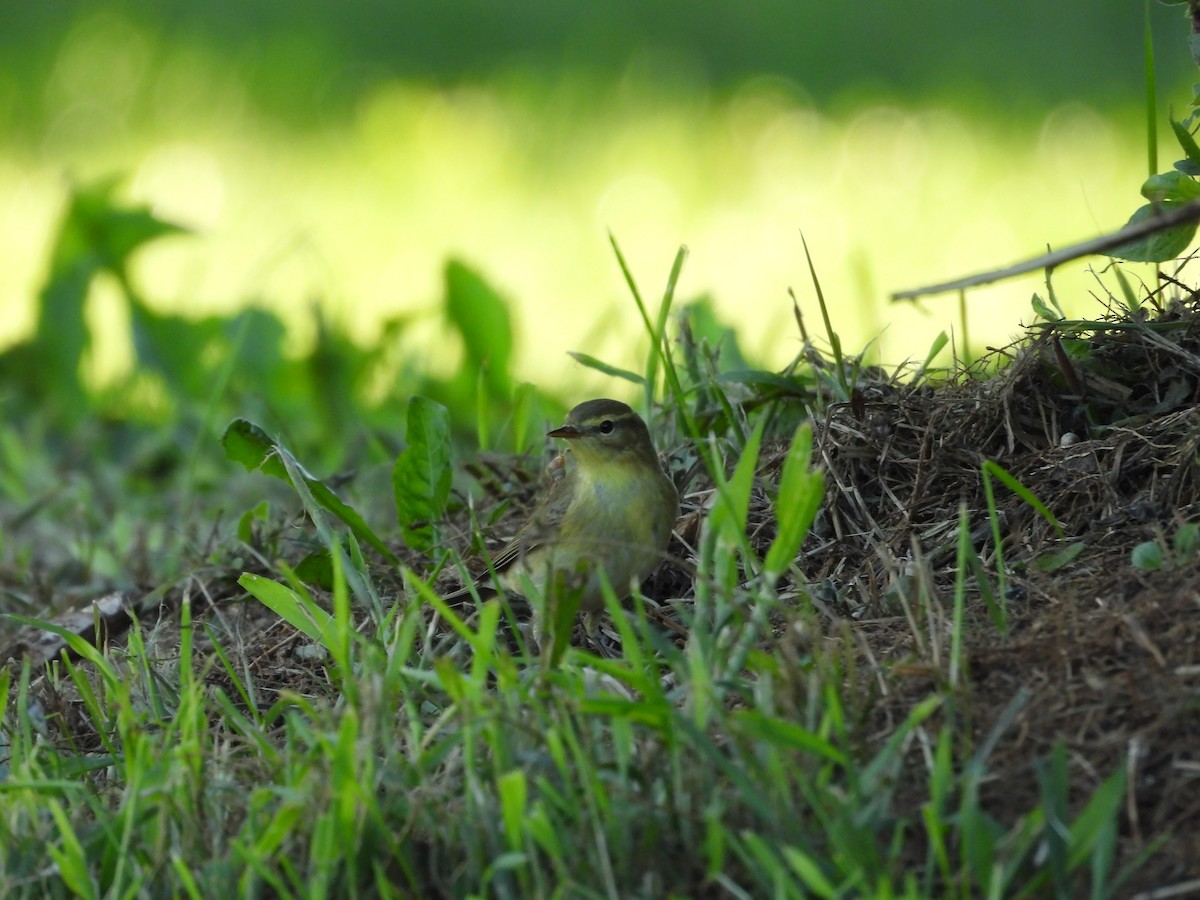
(612, 511)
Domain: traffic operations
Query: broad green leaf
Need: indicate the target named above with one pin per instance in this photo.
(481, 316)
(1147, 555)
(1187, 167)
(246, 443)
(422, 474)
(1157, 247)
(1170, 187)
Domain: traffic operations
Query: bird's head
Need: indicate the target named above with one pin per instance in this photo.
(606, 432)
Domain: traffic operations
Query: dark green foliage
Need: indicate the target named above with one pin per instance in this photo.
(97, 237)
(309, 62)
(422, 475)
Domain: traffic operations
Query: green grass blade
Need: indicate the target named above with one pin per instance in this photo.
(604, 368)
(801, 490)
(298, 610)
(728, 516)
(835, 342)
(992, 469)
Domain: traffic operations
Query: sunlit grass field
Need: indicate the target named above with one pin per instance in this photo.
(524, 182)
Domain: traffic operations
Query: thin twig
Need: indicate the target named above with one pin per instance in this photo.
(1189, 212)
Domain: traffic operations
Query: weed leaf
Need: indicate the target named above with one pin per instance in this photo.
(246, 443)
(422, 474)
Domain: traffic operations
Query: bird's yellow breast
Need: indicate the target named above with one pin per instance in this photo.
(617, 500)
(619, 521)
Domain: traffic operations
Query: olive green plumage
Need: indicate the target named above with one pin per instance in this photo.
(612, 511)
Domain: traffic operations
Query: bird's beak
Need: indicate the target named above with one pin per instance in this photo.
(568, 432)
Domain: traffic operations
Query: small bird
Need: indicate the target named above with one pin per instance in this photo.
(612, 510)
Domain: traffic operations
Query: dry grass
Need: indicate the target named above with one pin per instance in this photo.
(1109, 652)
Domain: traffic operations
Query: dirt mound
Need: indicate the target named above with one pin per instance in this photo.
(1101, 652)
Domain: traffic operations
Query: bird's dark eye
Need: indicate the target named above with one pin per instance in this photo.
(606, 427)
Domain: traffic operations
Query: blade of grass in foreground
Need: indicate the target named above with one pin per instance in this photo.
(801, 490)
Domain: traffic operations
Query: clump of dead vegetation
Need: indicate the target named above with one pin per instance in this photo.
(1101, 422)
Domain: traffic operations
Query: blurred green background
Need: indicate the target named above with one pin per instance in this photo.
(337, 155)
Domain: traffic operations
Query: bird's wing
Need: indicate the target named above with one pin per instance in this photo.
(540, 527)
